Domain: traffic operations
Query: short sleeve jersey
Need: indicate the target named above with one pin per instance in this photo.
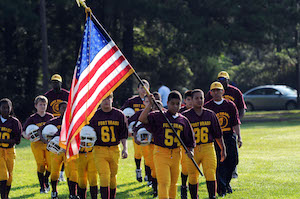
(10, 130)
(135, 102)
(54, 99)
(233, 94)
(110, 127)
(182, 109)
(37, 120)
(206, 126)
(163, 134)
(227, 114)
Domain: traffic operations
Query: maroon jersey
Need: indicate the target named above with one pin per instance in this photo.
(163, 134)
(227, 114)
(10, 130)
(37, 120)
(55, 98)
(110, 127)
(233, 94)
(135, 102)
(206, 126)
(57, 121)
(182, 109)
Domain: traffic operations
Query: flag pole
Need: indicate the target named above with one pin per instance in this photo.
(87, 9)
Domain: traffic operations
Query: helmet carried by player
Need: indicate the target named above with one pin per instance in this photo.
(54, 147)
(32, 132)
(128, 112)
(49, 131)
(143, 136)
(87, 137)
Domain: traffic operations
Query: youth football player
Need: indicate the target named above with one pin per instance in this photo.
(86, 167)
(39, 149)
(167, 151)
(228, 117)
(184, 170)
(136, 103)
(56, 159)
(207, 129)
(111, 129)
(10, 135)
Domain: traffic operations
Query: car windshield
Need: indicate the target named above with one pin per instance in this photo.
(288, 90)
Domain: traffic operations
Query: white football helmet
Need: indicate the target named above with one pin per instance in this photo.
(49, 131)
(87, 137)
(128, 112)
(32, 133)
(54, 147)
(143, 136)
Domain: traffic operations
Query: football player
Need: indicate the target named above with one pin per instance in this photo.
(10, 135)
(136, 103)
(167, 151)
(56, 159)
(184, 170)
(41, 154)
(86, 167)
(207, 129)
(111, 129)
(228, 117)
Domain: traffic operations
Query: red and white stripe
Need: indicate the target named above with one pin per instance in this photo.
(107, 69)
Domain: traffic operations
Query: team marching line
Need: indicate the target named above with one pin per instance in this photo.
(209, 126)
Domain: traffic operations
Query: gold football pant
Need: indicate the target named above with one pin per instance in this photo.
(138, 150)
(42, 156)
(184, 169)
(56, 163)
(107, 161)
(71, 170)
(203, 154)
(7, 162)
(148, 155)
(86, 170)
(166, 162)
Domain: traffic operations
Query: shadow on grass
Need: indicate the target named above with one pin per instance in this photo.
(23, 196)
(125, 193)
(26, 186)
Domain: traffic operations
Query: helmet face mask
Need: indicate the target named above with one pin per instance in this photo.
(32, 133)
(87, 137)
(144, 136)
(54, 147)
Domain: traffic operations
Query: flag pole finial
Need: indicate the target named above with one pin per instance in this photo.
(83, 4)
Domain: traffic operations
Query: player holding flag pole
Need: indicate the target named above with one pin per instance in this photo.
(94, 80)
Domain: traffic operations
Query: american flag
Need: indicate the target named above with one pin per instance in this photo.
(100, 69)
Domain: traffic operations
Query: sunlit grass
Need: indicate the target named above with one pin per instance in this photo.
(269, 167)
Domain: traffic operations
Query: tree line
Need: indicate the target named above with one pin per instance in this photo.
(182, 43)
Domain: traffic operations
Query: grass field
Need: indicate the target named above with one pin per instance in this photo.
(269, 167)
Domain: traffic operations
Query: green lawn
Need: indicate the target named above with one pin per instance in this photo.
(269, 167)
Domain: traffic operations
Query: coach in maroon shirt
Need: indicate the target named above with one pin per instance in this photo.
(231, 93)
(227, 114)
(56, 95)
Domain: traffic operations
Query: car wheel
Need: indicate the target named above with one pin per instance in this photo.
(250, 107)
(291, 106)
